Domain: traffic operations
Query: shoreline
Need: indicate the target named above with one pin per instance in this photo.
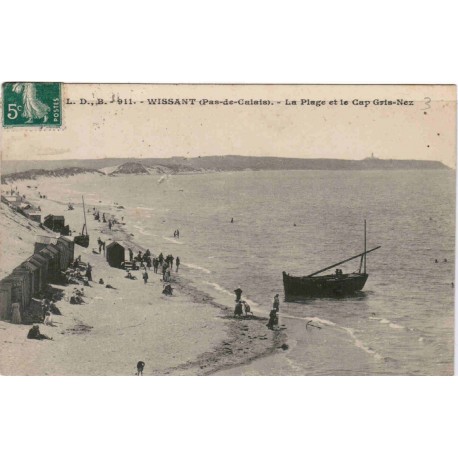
(222, 341)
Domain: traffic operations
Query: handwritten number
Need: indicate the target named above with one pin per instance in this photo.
(427, 103)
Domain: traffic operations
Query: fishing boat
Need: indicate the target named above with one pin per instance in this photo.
(83, 239)
(337, 284)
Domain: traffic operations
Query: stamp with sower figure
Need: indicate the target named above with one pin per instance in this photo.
(32, 104)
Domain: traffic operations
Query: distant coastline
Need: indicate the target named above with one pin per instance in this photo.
(180, 165)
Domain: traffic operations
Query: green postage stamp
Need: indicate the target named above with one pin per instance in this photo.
(32, 104)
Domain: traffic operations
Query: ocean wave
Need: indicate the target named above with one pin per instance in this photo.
(391, 324)
(351, 332)
(194, 266)
(173, 240)
(145, 208)
(142, 230)
(218, 287)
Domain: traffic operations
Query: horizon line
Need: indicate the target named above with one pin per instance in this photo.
(220, 155)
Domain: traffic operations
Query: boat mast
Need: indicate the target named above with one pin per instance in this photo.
(345, 260)
(365, 254)
(84, 212)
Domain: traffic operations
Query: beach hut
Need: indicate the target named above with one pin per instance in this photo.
(42, 241)
(69, 251)
(53, 249)
(43, 262)
(40, 273)
(13, 201)
(27, 282)
(20, 288)
(5, 300)
(117, 252)
(35, 276)
(34, 215)
(63, 255)
(55, 222)
(53, 263)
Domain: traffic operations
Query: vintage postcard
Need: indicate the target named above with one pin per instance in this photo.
(227, 229)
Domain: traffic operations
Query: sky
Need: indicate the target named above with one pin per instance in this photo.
(355, 126)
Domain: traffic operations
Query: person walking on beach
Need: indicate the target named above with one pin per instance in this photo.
(276, 304)
(164, 270)
(131, 255)
(145, 277)
(273, 319)
(89, 272)
(178, 234)
(238, 310)
(238, 294)
(155, 265)
(177, 262)
(171, 258)
(140, 367)
(161, 258)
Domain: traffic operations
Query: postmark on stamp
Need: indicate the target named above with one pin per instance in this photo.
(32, 104)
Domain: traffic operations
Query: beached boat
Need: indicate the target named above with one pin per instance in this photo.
(337, 284)
(83, 238)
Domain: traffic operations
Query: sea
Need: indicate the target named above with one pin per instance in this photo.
(301, 221)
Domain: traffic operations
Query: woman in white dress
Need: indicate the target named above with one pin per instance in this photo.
(33, 108)
(16, 318)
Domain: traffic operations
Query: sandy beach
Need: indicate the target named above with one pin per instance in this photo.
(188, 333)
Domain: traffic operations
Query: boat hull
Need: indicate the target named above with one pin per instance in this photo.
(300, 288)
(82, 240)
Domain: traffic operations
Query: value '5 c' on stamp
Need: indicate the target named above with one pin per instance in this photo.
(32, 104)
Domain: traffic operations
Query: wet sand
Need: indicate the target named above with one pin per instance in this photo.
(188, 333)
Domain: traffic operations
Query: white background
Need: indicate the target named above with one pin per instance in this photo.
(229, 42)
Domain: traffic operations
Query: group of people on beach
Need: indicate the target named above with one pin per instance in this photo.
(242, 307)
(145, 261)
(176, 234)
(111, 220)
(48, 309)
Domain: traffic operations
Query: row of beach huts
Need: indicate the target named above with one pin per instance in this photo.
(52, 256)
(21, 205)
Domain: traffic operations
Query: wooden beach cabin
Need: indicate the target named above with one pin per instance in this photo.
(20, 288)
(68, 250)
(53, 262)
(62, 247)
(57, 224)
(42, 241)
(117, 252)
(64, 255)
(12, 201)
(34, 269)
(5, 300)
(43, 262)
(34, 215)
